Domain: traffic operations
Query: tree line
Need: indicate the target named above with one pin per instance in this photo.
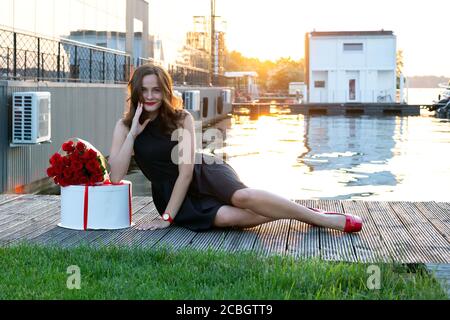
(273, 76)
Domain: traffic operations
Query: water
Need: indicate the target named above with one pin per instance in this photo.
(342, 157)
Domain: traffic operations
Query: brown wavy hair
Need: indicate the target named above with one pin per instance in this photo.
(171, 109)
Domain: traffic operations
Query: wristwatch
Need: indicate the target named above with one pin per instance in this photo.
(166, 217)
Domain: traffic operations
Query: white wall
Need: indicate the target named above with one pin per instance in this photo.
(373, 68)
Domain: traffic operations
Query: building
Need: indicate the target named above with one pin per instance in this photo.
(96, 23)
(82, 52)
(355, 66)
(245, 84)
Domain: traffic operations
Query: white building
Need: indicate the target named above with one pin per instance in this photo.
(353, 66)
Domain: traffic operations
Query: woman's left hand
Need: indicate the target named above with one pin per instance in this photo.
(153, 225)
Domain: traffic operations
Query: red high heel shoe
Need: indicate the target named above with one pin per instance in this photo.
(352, 223)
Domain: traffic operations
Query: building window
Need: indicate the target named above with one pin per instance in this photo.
(319, 84)
(353, 47)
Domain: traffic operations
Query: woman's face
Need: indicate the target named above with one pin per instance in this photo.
(151, 92)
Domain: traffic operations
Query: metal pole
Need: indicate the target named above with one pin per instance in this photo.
(115, 68)
(15, 56)
(76, 62)
(104, 71)
(25, 66)
(213, 39)
(38, 58)
(59, 62)
(90, 65)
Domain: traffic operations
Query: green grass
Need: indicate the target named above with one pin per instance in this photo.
(33, 272)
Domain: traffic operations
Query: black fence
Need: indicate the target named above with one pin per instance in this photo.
(186, 75)
(28, 57)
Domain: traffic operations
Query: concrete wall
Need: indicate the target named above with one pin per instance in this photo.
(87, 111)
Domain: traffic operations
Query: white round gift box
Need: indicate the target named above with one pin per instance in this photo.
(108, 206)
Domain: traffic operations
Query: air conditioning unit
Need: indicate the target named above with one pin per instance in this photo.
(226, 95)
(31, 117)
(191, 99)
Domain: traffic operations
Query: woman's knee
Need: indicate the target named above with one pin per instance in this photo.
(241, 198)
(224, 217)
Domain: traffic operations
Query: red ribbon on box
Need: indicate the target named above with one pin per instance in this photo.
(86, 200)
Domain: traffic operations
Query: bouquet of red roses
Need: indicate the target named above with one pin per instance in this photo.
(81, 164)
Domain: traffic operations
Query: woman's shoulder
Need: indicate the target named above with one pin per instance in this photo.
(186, 114)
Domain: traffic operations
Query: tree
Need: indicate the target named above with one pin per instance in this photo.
(286, 70)
(271, 75)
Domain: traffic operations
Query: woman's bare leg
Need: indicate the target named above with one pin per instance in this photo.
(273, 206)
(229, 216)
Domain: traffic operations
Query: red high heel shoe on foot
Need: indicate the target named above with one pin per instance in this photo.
(352, 223)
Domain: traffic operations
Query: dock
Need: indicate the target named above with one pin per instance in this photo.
(401, 232)
(373, 109)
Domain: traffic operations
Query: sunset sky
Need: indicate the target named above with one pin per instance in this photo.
(271, 29)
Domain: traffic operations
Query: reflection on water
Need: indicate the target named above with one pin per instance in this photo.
(342, 157)
(335, 157)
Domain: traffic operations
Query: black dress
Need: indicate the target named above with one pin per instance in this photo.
(212, 184)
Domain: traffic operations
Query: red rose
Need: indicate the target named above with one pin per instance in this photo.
(58, 168)
(55, 158)
(76, 165)
(93, 179)
(74, 156)
(81, 146)
(78, 174)
(68, 146)
(50, 172)
(66, 161)
(67, 174)
(89, 154)
(93, 166)
(83, 180)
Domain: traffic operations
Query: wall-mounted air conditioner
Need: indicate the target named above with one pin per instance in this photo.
(226, 95)
(191, 99)
(31, 117)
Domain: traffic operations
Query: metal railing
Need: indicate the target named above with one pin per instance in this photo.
(188, 75)
(29, 57)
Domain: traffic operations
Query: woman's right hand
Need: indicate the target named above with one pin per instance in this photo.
(136, 127)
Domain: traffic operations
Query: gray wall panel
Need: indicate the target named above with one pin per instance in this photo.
(87, 111)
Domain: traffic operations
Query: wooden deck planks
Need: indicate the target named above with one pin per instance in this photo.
(304, 239)
(428, 239)
(401, 245)
(210, 240)
(175, 238)
(5, 198)
(240, 240)
(368, 244)
(406, 232)
(27, 216)
(438, 216)
(37, 224)
(272, 238)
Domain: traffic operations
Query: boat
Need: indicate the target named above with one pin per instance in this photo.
(445, 94)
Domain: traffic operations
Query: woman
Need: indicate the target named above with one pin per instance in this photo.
(195, 194)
